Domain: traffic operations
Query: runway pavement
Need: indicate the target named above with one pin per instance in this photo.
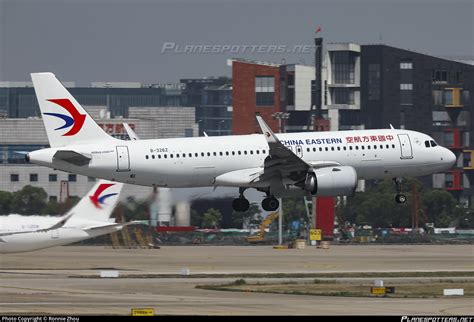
(63, 280)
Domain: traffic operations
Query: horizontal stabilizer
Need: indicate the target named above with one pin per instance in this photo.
(117, 225)
(73, 157)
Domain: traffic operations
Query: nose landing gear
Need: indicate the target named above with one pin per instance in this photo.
(400, 197)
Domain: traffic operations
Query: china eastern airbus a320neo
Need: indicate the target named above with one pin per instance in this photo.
(306, 163)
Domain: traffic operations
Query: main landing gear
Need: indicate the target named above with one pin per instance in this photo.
(241, 203)
(270, 203)
(400, 197)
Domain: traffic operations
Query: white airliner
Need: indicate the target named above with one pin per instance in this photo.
(89, 218)
(306, 163)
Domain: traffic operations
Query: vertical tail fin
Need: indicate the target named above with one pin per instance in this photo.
(98, 204)
(65, 120)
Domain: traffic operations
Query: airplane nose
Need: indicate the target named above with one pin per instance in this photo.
(450, 158)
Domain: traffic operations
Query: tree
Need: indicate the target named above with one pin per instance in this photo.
(294, 208)
(250, 217)
(5, 202)
(212, 218)
(440, 208)
(29, 201)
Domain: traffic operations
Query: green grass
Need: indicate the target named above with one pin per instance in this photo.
(416, 289)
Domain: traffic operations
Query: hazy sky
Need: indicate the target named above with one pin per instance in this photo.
(109, 40)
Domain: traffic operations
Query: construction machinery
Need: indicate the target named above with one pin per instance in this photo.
(260, 236)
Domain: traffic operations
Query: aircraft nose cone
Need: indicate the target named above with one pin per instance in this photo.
(450, 158)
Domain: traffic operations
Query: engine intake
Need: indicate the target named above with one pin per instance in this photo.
(331, 181)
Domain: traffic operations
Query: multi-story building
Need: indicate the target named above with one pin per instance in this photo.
(271, 90)
(212, 98)
(18, 99)
(422, 93)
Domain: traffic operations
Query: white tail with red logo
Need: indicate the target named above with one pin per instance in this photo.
(65, 120)
(98, 204)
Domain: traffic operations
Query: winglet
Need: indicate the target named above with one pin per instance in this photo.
(266, 130)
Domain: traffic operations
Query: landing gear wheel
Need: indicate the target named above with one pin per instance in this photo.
(400, 198)
(270, 204)
(240, 204)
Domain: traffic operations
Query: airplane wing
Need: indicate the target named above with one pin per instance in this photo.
(57, 225)
(73, 157)
(281, 161)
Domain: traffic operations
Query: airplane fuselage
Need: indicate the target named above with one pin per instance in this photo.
(197, 162)
(30, 241)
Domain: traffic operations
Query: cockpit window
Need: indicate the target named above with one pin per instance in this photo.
(433, 143)
(427, 144)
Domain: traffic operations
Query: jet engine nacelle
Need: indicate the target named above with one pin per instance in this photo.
(331, 181)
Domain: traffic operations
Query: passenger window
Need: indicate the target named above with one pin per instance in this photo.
(251, 151)
(362, 147)
(226, 152)
(381, 146)
(368, 147)
(152, 156)
(320, 149)
(165, 156)
(184, 155)
(233, 152)
(332, 148)
(344, 148)
(159, 156)
(375, 147)
(146, 157)
(258, 151)
(338, 148)
(190, 155)
(357, 147)
(239, 153)
(171, 156)
(393, 146)
(221, 154)
(427, 144)
(196, 155)
(202, 154)
(245, 152)
(215, 154)
(387, 146)
(326, 149)
(350, 148)
(208, 154)
(433, 143)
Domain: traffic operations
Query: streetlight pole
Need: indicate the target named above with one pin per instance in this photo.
(280, 116)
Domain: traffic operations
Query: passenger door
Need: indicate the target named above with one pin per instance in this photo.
(405, 146)
(123, 159)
